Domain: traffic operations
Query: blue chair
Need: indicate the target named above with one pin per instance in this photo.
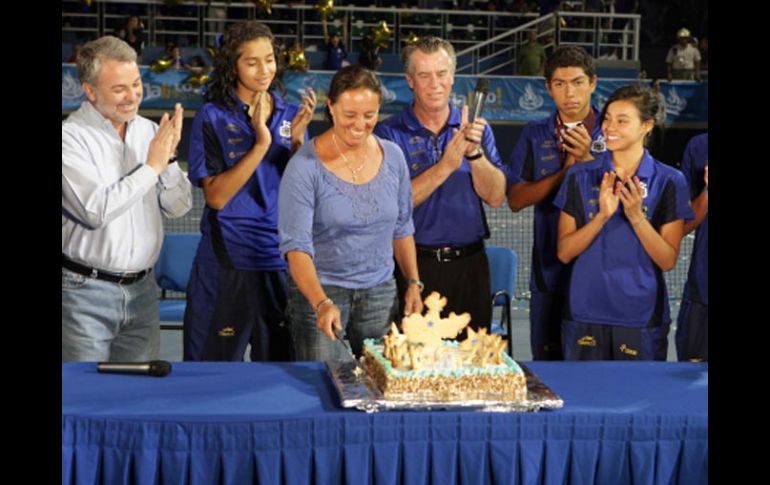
(502, 272)
(172, 271)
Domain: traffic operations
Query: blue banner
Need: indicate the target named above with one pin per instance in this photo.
(161, 90)
(516, 99)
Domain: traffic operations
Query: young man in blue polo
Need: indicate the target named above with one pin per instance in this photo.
(540, 159)
(455, 167)
(692, 337)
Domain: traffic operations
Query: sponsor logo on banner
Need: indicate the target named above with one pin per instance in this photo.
(600, 100)
(388, 96)
(530, 100)
(70, 88)
(675, 104)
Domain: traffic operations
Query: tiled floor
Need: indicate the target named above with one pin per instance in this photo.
(171, 340)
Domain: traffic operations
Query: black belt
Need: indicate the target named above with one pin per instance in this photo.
(449, 253)
(122, 279)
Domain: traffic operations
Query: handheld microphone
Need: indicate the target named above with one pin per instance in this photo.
(155, 368)
(479, 97)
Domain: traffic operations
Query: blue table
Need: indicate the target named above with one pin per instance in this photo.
(242, 423)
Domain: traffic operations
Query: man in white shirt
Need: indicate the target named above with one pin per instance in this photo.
(683, 59)
(118, 179)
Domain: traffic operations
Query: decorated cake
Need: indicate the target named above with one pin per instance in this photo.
(420, 363)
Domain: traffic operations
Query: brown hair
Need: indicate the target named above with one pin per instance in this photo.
(352, 77)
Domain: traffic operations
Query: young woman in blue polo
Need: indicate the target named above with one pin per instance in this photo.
(622, 219)
(240, 144)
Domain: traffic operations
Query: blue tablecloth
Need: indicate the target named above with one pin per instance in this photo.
(242, 423)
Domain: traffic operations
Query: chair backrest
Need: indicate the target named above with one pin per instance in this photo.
(502, 269)
(176, 258)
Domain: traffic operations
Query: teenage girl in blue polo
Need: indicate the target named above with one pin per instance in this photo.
(622, 219)
(240, 143)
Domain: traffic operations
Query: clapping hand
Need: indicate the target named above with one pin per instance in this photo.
(630, 193)
(608, 199)
(302, 118)
(258, 106)
(577, 144)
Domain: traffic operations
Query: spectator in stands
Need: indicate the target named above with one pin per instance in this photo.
(174, 54)
(543, 154)
(118, 180)
(455, 167)
(75, 51)
(683, 59)
(241, 140)
(132, 32)
(692, 324)
(335, 45)
(658, 137)
(531, 57)
(196, 65)
(621, 224)
(345, 212)
(619, 24)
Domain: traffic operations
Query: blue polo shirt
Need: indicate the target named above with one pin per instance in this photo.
(244, 234)
(693, 166)
(614, 281)
(453, 215)
(534, 157)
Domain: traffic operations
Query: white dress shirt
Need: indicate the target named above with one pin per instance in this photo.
(111, 200)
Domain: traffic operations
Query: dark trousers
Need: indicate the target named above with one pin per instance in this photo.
(228, 309)
(463, 281)
(593, 341)
(692, 331)
(545, 315)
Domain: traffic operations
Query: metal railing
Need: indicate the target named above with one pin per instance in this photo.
(490, 39)
(199, 22)
(598, 38)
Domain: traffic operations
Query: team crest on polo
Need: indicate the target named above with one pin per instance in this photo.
(644, 189)
(285, 129)
(599, 145)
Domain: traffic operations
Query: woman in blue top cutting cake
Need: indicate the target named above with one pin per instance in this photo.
(345, 211)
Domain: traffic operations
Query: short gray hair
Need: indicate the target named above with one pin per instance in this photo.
(91, 55)
(428, 45)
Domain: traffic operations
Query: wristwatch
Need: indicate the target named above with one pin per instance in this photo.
(476, 156)
(419, 283)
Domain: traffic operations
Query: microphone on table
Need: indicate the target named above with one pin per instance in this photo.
(155, 368)
(479, 97)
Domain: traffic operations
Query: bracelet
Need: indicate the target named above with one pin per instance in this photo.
(478, 155)
(634, 224)
(322, 303)
(419, 283)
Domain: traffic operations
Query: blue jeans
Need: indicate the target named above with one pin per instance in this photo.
(105, 321)
(364, 314)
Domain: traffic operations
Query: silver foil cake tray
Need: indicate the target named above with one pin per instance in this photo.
(358, 390)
